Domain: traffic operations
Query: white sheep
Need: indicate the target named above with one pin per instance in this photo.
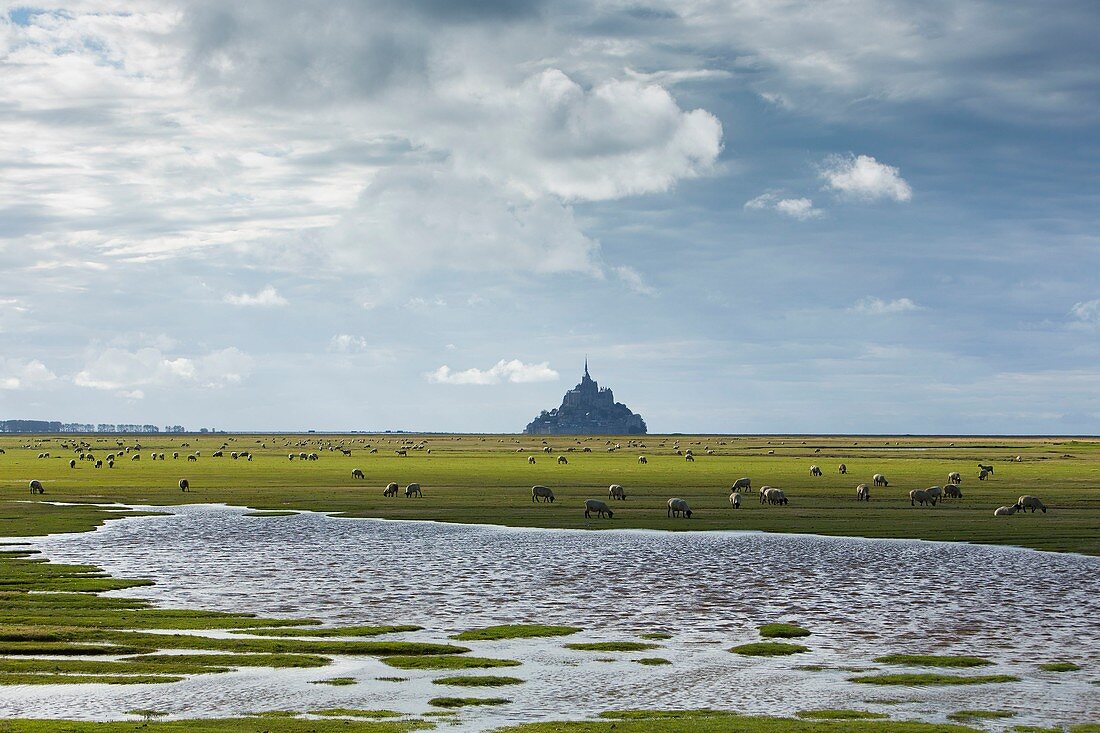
(689, 457)
(952, 491)
(562, 460)
(357, 473)
(920, 496)
(742, 483)
(185, 485)
(595, 505)
(391, 489)
(735, 500)
(815, 470)
(616, 491)
(542, 492)
(842, 468)
(935, 492)
(36, 487)
(678, 507)
(879, 480)
(982, 474)
(954, 478)
(1030, 502)
(863, 492)
(643, 460)
(531, 459)
(1006, 511)
(413, 490)
(775, 496)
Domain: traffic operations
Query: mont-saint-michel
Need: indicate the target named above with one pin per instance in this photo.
(588, 410)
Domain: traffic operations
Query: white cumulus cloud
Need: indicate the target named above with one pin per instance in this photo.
(268, 297)
(863, 177)
(799, 208)
(879, 307)
(503, 371)
(634, 280)
(15, 374)
(126, 371)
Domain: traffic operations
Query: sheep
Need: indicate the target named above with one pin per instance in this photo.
(185, 485)
(413, 490)
(191, 457)
(879, 480)
(1006, 511)
(234, 455)
(312, 457)
(735, 500)
(935, 492)
(1019, 459)
(1030, 502)
(358, 473)
(403, 453)
(72, 463)
(135, 457)
(775, 496)
(595, 505)
(771, 453)
(531, 460)
(689, 457)
(586, 450)
(954, 478)
(952, 491)
(742, 483)
(36, 487)
(616, 491)
(763, 492)
(920, 495)
(987, 469)
(547, 450)
(99, 464)
(542, 492)
(863, 492)
(843, 469)
(391, 489)
(290, 457)
(302, 456)
(643, 460)
(678, 507)
(815, 471)
(982, 474)
(562, 460)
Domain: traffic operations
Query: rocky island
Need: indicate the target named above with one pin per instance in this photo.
(588, 410)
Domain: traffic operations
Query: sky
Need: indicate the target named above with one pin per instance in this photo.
(856, 216)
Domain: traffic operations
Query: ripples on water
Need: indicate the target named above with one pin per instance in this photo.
(861, 598)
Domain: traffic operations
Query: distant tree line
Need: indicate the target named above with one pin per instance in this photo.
(53, 426)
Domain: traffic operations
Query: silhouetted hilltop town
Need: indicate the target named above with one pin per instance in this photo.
(588, 410)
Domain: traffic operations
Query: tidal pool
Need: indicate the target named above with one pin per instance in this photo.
(710, 590)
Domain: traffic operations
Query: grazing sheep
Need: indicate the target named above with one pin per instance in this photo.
(185, 485)
(1030, 502)
(616, 491)
(72, 463)
(742, 483)
(403, 453)
(1019, 459)
(954, 478)
(643, 460)
(935, 492)
(1006, 511)
(234, 455)
(863, 492)
(302, 456)
(191, 457)
(678, 507)
(391, 489)
(987, 469)
(595, 505)
(879, 480)
(982, 474)
(135, 457)
(312, 457)
(952, 491)
(689, 457)
(36, 487)
(586, 450)
(562, 459)
(175, 455)
(290, 457)
(543, 493)
(99, 464)
(921, 496)
(815, 471)
(774, 496)
(413, 489)
(217, 454)
(735, 500)
(530, 459)
(843, 469)
(771, 453)
(358, 473)
(547, 449)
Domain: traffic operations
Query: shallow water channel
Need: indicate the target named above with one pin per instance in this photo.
(860, 598)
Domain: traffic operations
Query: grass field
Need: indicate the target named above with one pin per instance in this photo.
(487, 479)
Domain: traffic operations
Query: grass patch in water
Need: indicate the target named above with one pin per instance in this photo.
(769, 649)
(656, 635)
(514, 631)
(274, 513)
(273, 722)
(963, 716)
(934, 660)
(13, 678)
(392, 679)
(1035, 729)
(329, 633)
(811, 668)
(783, 631)
(277, 661)
(652, 661)
(932, 679)
(447, 661)
(477, 681)
(61, 648)
(336, 681)
(1059, 667)
(612, 646)
(834, 714)
(462, 702)
(355, 713)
